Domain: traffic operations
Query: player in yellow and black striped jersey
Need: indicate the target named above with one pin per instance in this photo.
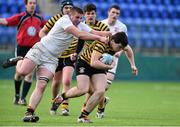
(65, 68)
(91, 72)
(96, 25)
(91, 21)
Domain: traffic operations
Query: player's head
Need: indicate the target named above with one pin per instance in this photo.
(90, 13)
(119, 41)
(113, 13)
(30, 5)
(76, 15)
(66, 6)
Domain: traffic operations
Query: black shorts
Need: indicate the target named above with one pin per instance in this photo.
(63, 62)
(22, 50)
(83, 68)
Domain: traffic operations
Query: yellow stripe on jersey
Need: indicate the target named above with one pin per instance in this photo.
(71, 49)
(97, 46)
(99, 26)
(50, 23)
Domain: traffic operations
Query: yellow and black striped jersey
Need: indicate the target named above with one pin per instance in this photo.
(99, 26)
(97, 46)
(50, 23)
(72, 48)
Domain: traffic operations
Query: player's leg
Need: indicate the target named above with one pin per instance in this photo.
(26, 87)
(66, 81)
(55, 90)
(43, 76)
(87, 96)
(83, 78)
(17, 84)
(110, 77)
(20, 52)
(99, 84)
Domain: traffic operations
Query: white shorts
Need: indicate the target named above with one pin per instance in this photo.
(42, 58)
(113, 70)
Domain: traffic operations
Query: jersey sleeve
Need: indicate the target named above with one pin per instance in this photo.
(50, 23)
(65, 22)
(14, 20)
(83, 27)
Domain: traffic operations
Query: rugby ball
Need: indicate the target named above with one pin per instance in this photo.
(106, 58)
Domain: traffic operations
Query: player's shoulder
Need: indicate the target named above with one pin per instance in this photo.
(101, 23)
(121, 24)
(104, 21)
(102, 26)
(57, 16)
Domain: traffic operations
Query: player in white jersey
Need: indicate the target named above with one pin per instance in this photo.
(44, 54)
(115, 26)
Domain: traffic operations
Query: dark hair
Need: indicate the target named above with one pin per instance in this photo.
(26, 1)
(114, 6)
(77, 9)
(89, 7)
(120, 37)
(64, 3)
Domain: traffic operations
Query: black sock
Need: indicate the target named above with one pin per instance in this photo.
(84, 113)
(63, 96)
(26, 87)
(17, 87)
(29, 109)
(101, 109)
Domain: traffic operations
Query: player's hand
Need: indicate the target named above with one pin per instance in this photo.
(117, 54)
(134, 70)
(104, 39)
(73, 56)
(111, 66)
(108, 33)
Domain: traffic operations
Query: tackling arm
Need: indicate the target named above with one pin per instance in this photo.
(43, 32)
(85, 35)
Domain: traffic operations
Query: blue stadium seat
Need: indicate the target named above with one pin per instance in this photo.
(3, 8)
(14, 9)
(157, 2)
(175, 2)
(138, 2)
(20, 2)
(135, 12)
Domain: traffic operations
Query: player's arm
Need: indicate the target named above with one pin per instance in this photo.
(101, 33)
(96, 63)
(43, 32)
(130, 55)
(3, 21)
(85, 35)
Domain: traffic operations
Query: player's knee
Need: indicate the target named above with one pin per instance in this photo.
(28, 78)
(67, 82)
(83, 90)
(100, 92)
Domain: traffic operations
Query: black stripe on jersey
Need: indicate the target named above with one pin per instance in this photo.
(100, 47)
(71, 49)
(22, 18)
(50, 23)
(102, 26)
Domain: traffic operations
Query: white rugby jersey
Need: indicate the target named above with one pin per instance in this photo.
(57, 40)
(117, 27)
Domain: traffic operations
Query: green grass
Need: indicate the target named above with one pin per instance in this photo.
(131, 103)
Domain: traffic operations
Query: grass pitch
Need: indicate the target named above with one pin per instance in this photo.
(131, 104)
